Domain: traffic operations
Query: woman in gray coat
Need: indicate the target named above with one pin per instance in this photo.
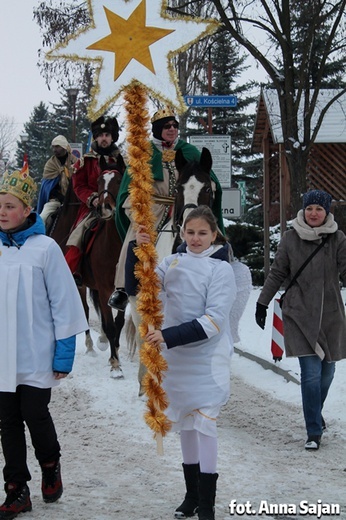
(313, 312)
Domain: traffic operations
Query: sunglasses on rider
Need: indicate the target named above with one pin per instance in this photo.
(167, 126)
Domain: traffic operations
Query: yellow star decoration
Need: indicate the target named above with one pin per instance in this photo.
(130, 39)
(139, 50)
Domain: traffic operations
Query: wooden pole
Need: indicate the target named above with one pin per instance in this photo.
(210, 91)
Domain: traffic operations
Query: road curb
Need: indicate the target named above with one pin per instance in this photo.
(290, 376)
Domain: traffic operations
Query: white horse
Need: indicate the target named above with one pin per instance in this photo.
(194, 187)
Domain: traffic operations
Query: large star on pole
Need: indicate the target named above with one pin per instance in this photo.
(138, 49)
(130, 39)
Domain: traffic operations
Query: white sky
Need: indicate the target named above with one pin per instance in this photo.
(22, 87)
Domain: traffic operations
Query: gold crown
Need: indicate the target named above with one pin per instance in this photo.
(164, 112)
(19, 184)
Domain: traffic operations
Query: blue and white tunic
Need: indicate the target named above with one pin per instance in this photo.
(199, 291)
(40, 309)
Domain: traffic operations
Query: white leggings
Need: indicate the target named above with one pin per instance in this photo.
(197, 447)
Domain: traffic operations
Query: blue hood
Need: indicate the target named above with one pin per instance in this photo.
(18, 238)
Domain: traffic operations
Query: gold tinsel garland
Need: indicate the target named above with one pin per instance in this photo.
(148, 302)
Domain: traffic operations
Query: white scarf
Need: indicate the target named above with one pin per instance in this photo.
(207, 252)
(306, 232)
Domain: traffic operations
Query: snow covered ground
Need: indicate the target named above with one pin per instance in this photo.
(110, 465)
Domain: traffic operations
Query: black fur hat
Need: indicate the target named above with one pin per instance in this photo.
(102, 125)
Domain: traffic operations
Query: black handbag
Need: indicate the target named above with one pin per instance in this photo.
(301, 268)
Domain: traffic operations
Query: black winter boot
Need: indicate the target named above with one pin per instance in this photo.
(17, 500)
(118, 300)
(207, 492)
(51, 485)
(190, 504)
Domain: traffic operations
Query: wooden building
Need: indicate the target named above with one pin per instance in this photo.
(326, 166)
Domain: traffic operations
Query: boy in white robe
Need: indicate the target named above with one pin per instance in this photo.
(40, 314)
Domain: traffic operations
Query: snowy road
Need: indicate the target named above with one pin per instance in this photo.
(111, 469)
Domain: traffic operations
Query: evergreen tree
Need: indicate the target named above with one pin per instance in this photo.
(227, 65)
(38, 146)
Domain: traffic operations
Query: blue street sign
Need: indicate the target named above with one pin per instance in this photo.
(211, 101)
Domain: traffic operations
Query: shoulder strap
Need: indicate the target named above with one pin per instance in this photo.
(302, 267)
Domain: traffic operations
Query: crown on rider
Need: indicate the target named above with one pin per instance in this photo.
(163, 113)
(19, 184)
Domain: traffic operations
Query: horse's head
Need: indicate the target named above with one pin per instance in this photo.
(108, 187)
(194, 186)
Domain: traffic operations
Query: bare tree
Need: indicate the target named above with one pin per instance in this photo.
(58, 19)
(270, 31)
(7, 140)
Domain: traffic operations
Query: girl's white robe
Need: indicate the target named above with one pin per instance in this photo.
(197, 381)
(39, 304)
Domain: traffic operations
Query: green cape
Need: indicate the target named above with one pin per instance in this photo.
(190, 153)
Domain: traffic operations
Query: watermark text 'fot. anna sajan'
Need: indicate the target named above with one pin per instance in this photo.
(317, 509)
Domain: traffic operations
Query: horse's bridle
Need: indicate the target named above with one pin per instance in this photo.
(106, 193)
(178, 217)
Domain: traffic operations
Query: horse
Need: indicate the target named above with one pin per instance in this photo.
(194, 187)
(101, 253)
(59, 228)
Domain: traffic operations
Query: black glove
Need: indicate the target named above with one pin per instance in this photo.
(261, 314)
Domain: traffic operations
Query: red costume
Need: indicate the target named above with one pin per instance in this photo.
(85, 186)
(84, 183)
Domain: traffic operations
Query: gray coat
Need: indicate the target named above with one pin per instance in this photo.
(313, 311)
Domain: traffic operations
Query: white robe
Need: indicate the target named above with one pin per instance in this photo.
(39, 304)
(197, 381)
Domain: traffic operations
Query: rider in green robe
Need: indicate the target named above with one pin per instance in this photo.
(165, 143)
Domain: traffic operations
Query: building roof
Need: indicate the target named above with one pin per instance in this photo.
(333, 128)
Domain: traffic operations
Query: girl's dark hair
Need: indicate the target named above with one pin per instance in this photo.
(205, 213)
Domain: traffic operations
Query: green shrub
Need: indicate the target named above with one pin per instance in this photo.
(247, 244)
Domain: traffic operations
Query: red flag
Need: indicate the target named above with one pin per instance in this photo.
(25, 169)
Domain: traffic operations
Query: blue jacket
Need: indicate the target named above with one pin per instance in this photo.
(47, 186)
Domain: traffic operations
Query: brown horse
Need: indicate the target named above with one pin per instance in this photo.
(59, 229)
(99, 263)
